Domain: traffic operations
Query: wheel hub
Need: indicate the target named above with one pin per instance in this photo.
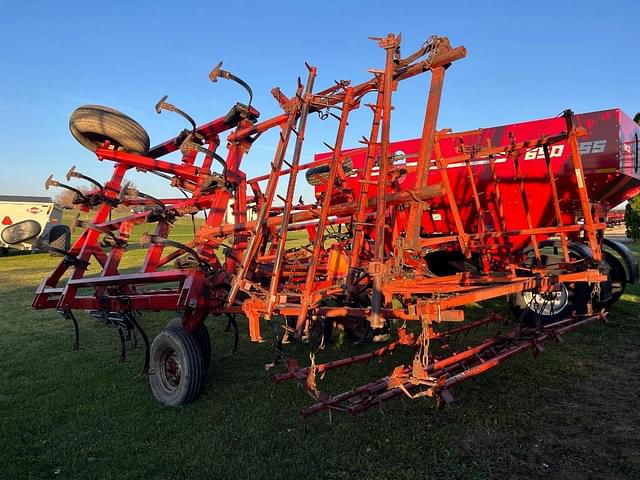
(171, 371)
(547, 303)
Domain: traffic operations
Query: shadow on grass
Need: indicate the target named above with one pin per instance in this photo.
(572, 413)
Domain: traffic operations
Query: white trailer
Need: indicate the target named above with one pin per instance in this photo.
(32, 223)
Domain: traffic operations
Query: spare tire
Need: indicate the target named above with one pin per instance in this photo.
(91, 125)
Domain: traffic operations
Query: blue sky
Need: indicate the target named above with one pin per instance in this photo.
(526, 60)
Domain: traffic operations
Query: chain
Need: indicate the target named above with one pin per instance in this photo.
(311, 377)
(425, 340)
(595, 292)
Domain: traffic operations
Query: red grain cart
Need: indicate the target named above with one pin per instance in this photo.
(609, 153)
(615, 217)
(402, 234)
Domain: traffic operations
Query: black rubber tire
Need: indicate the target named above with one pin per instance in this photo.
(617, 278)
(91, 125)
(176, 347)
(579, 295)
(60, 238)
(202, 337)
(320, 333)
(320, 175)
(576, 298)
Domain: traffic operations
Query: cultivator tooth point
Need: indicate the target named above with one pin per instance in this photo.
(399, 237)
(443, 398)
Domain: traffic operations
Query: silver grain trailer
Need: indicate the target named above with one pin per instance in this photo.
(32, 223)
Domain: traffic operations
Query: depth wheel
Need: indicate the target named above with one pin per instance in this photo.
(202, 337)
(176, 373)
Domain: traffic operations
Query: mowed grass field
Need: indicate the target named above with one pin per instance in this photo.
(574, 412)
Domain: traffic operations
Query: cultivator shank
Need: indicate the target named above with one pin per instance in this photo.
(396, 246)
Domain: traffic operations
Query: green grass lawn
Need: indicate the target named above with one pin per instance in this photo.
(574, 412)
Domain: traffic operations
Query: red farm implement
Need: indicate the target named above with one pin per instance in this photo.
(402, 235)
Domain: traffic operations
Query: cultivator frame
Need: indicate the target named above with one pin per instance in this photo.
(365, 267)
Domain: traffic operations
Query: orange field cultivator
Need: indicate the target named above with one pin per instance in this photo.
(401, 235)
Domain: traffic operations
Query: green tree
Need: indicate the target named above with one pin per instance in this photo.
(632, 218)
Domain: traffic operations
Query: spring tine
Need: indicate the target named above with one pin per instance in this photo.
(133, 335)
(232, 322)
(277, 344)
(147, 346)
(123, 350)
(68, 314)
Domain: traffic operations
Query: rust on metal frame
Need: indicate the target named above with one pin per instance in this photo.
(369, 246)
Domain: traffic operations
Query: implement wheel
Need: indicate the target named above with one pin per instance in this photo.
(617, 278)
(201, 336)
(176, 373)
(550, 307)
(91, 125)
